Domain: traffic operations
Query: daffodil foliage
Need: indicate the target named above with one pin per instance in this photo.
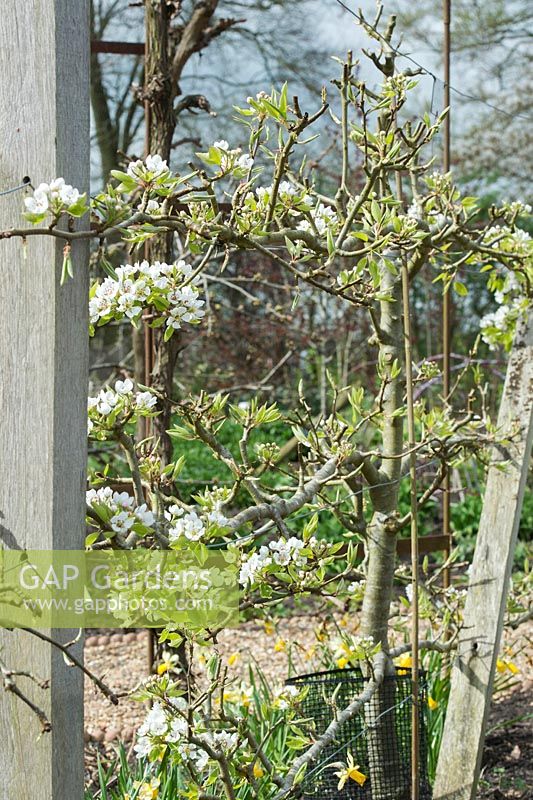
(349, 246)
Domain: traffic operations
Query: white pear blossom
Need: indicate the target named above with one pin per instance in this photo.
(151, 168)
(324, 217)
(245, 161)
(178, 729)
(122, 522)
(69, 195)
(144, 515)
(139, 285)
(189, 525)
(56, 196)
(125, 514)
(156, 164)
(38, 203)
(121, 402)
(223, 740)
(145, 401)
(152, 207)
(511, 302)
(124, 387)
(156, 722)
(142, 747)
(216, 517)
(285, 552)
(105, 402)
(190, 752)
(229, 158)
(253, 565)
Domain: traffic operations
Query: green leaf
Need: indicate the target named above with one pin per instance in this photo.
(375, 210)
(460, 288)
(283, 99)
(66, 271)
(127, 183)
(79, 208)
(34, 218)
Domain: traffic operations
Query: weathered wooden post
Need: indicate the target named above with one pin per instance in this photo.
(44, 133)
(473, 670)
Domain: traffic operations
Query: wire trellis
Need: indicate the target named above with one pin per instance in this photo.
(378, 738)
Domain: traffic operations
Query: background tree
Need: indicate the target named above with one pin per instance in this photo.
(491, 60)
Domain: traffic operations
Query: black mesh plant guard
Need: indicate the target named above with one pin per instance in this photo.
(379, 737)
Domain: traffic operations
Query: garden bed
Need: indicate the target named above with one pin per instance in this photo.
(122, 660)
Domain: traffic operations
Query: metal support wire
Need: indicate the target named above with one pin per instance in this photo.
(26, 183)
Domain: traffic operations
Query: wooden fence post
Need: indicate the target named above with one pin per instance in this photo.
(473, 670)
(44, 133)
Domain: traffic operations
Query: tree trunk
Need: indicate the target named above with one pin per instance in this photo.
(160, 93)
(386, 769)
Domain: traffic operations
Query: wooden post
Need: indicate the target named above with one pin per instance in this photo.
(44, 133)
(473, 671)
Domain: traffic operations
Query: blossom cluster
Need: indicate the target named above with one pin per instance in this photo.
(121, 404)
(54, 198)
(119, 510)
(279, 553)
(171, 290)
(350, 649)
(227, 159)
(163, 727)
(151, 175)
(320, 219)
(357, 589)
(497, 326)
(187, 524)
(149, 170)
(311, 215)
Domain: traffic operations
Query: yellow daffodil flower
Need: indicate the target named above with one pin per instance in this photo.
(163, 667)
(406, 662)
(342, 662)
(147, 791)
(280, 646)
(269, 627)
(503, 665)
(350, 772)
(258, 770)
(233, 658)
(309, 653)
(432, 704)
